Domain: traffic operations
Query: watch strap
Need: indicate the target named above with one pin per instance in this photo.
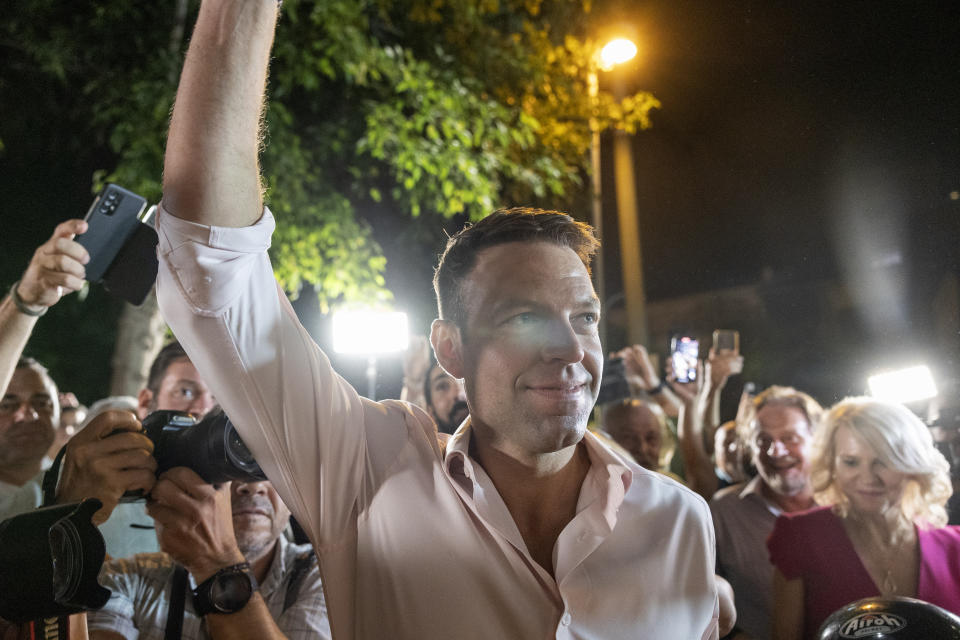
(202, 601)
(652, 391)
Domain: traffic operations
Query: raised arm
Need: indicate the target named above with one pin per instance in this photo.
(697, 465)
(211, 170)
(416, 368)
(642, 377)
(719, 367)
(55, 270)
(304, 424)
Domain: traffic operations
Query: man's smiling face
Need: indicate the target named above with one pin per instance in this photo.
(29, 412)
(531, 352)
(782, 448)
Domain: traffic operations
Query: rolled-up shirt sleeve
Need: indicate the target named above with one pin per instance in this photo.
(304, 424)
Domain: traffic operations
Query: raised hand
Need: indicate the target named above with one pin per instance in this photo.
(638, 367)
(57, 267)
(721, 365)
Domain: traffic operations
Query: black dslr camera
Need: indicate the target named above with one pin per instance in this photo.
(49, 561)
(211, 447)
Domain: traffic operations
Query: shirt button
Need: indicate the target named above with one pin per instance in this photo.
(581, 537)
(566, 619)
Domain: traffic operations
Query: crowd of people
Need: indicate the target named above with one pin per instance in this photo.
(493, 499)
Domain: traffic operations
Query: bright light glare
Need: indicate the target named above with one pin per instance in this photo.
(904, 386)
(370, 332)
(617, 52)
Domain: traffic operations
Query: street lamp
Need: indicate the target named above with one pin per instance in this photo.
(616, 51)
(370, 333)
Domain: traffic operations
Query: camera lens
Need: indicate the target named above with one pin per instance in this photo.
(66, 555)
(237, 449)
(239, 455)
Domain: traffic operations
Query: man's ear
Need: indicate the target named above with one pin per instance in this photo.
(448, 346)
(144, 399)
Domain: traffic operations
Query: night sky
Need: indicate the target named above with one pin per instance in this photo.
(789, 128)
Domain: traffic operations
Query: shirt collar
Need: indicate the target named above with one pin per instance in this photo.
(611, 475)
(278, 567)
(755, 488)
(457, 460)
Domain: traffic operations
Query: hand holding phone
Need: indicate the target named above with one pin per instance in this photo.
(726, 340)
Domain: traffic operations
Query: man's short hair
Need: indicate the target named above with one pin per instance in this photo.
(26, 362)
(520, 224)
(164, 359)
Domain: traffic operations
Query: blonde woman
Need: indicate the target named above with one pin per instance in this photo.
(884, 532)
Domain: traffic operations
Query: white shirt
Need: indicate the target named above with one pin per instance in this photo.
(414, 543)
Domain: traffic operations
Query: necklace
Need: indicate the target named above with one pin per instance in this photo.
(888, 585)
(882, 554)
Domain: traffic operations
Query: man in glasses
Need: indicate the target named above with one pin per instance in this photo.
(778, 432)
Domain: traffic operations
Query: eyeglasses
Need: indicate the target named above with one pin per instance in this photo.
(763, 442)
(40, 404)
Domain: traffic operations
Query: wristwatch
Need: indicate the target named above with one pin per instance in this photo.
(226, 591)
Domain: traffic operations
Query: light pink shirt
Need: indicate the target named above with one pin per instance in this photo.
(415, 542)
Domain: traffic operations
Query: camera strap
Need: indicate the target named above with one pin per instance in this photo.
(50, 479)
(178, 593)
(301, 567)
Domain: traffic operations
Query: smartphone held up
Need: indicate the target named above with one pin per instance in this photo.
(684, 351)
(121, 243)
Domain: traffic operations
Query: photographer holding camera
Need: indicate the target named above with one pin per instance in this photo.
(220, 541)
(224, 543)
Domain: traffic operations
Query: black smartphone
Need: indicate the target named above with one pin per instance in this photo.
(684, 351)
(112, 219)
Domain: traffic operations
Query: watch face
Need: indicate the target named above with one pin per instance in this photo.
(230, 592)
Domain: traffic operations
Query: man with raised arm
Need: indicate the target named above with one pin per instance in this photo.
(524, 526)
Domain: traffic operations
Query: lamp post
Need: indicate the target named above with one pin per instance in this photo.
(370, 333)
(615, 52)
(631, 253)
(596, 201)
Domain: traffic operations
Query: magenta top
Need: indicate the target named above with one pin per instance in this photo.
(813, 545)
